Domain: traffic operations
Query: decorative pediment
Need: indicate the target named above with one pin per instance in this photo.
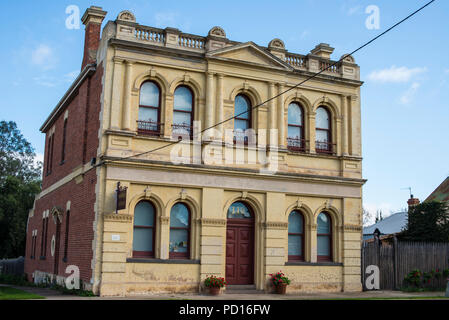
(248, 53)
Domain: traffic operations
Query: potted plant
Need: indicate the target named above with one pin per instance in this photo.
(280, 282)
(214, 284)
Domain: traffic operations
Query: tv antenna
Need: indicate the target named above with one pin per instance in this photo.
(410, 190)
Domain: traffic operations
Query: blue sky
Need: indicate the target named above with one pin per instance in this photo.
(405, 108)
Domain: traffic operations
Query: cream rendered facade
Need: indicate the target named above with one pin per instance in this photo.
(216, 70)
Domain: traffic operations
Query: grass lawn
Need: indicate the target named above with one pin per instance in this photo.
(7, 293)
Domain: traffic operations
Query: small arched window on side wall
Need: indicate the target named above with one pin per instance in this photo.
(323, 131)
(324, 237)
(295, 139)
(296, 236)
(242, 120)
(149, 119)
(144, 230)
(180, 232)
(183, 113)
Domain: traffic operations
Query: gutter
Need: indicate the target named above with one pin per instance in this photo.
(87, 72)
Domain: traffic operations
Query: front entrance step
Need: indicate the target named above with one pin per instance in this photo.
(242, 289)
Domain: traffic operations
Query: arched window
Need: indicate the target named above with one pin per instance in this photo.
(183, 113)
(180, 232)
(149, 119)
(324, 237)
(295, 139)
(295, 236)
(242, 120)
(144, 230)
(323, 131)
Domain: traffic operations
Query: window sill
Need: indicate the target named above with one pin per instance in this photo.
(303, 263)
(166, 261)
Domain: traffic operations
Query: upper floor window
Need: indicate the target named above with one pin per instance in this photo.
(51, 143)
(64, 136)
(180, 232)
(144, 226)
(323, 131)
(183, 113)
(324, 237)
(295, 236)
(295, 139)
(242, 120)
(148, 122)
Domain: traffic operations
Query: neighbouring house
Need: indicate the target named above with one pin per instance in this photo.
(139, 201)
(388, 226)
(441, 193)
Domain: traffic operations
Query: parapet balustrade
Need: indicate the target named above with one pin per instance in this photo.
(296, 60)
(150, 34)
(191, 42)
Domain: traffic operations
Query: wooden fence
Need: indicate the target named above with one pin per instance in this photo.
(12, 266)
(396, 259)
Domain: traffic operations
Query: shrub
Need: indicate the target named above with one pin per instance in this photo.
(279, 278)
(214, 282)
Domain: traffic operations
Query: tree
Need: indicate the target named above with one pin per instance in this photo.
(19, 183)
(428, 221)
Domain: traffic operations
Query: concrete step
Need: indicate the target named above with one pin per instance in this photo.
(242, 289)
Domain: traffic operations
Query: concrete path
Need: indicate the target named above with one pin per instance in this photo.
(50, 294)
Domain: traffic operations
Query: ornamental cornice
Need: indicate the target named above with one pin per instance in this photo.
(276, 225)
(212, 222)
(352, 227)
(113, 217)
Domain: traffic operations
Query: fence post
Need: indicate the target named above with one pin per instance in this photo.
(395, 263)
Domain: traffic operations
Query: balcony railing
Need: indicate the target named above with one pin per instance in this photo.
(148, 128)
(245, 137)
(324, 147)
(182, 131)
(296, 144)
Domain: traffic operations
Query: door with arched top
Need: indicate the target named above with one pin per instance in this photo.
(240, 245)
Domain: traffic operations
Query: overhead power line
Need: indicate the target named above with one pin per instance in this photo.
(280, 94)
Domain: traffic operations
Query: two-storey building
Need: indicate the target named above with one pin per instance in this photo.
(275, 183)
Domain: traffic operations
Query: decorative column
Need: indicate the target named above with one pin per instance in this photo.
(271, 113)
(165, 237)
(312, 132)
(344, 133)
(280, 112)
(209, 105)
(313, 243)
(219, 117)
(116, 94)
(126, 122)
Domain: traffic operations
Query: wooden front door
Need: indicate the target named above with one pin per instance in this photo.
(240, 251)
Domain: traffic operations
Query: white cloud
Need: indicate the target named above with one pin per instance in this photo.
(43, 56)
(171, 19)
(373, 208)
(353, 10)
(395, 74)
(408, 95)
(46, 81)
(71, 76)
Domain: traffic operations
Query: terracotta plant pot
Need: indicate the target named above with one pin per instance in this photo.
(214, 291)
(281, 288)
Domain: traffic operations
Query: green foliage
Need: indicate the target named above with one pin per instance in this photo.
(417, 280)
(428, 221)
(19, 183)
(13, 279)
(214, 282)
(279, 278)
(7, 293)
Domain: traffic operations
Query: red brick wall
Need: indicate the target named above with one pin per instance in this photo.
(81, 146)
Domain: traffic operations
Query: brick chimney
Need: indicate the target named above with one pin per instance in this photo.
(92, 19)
(412, 202)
